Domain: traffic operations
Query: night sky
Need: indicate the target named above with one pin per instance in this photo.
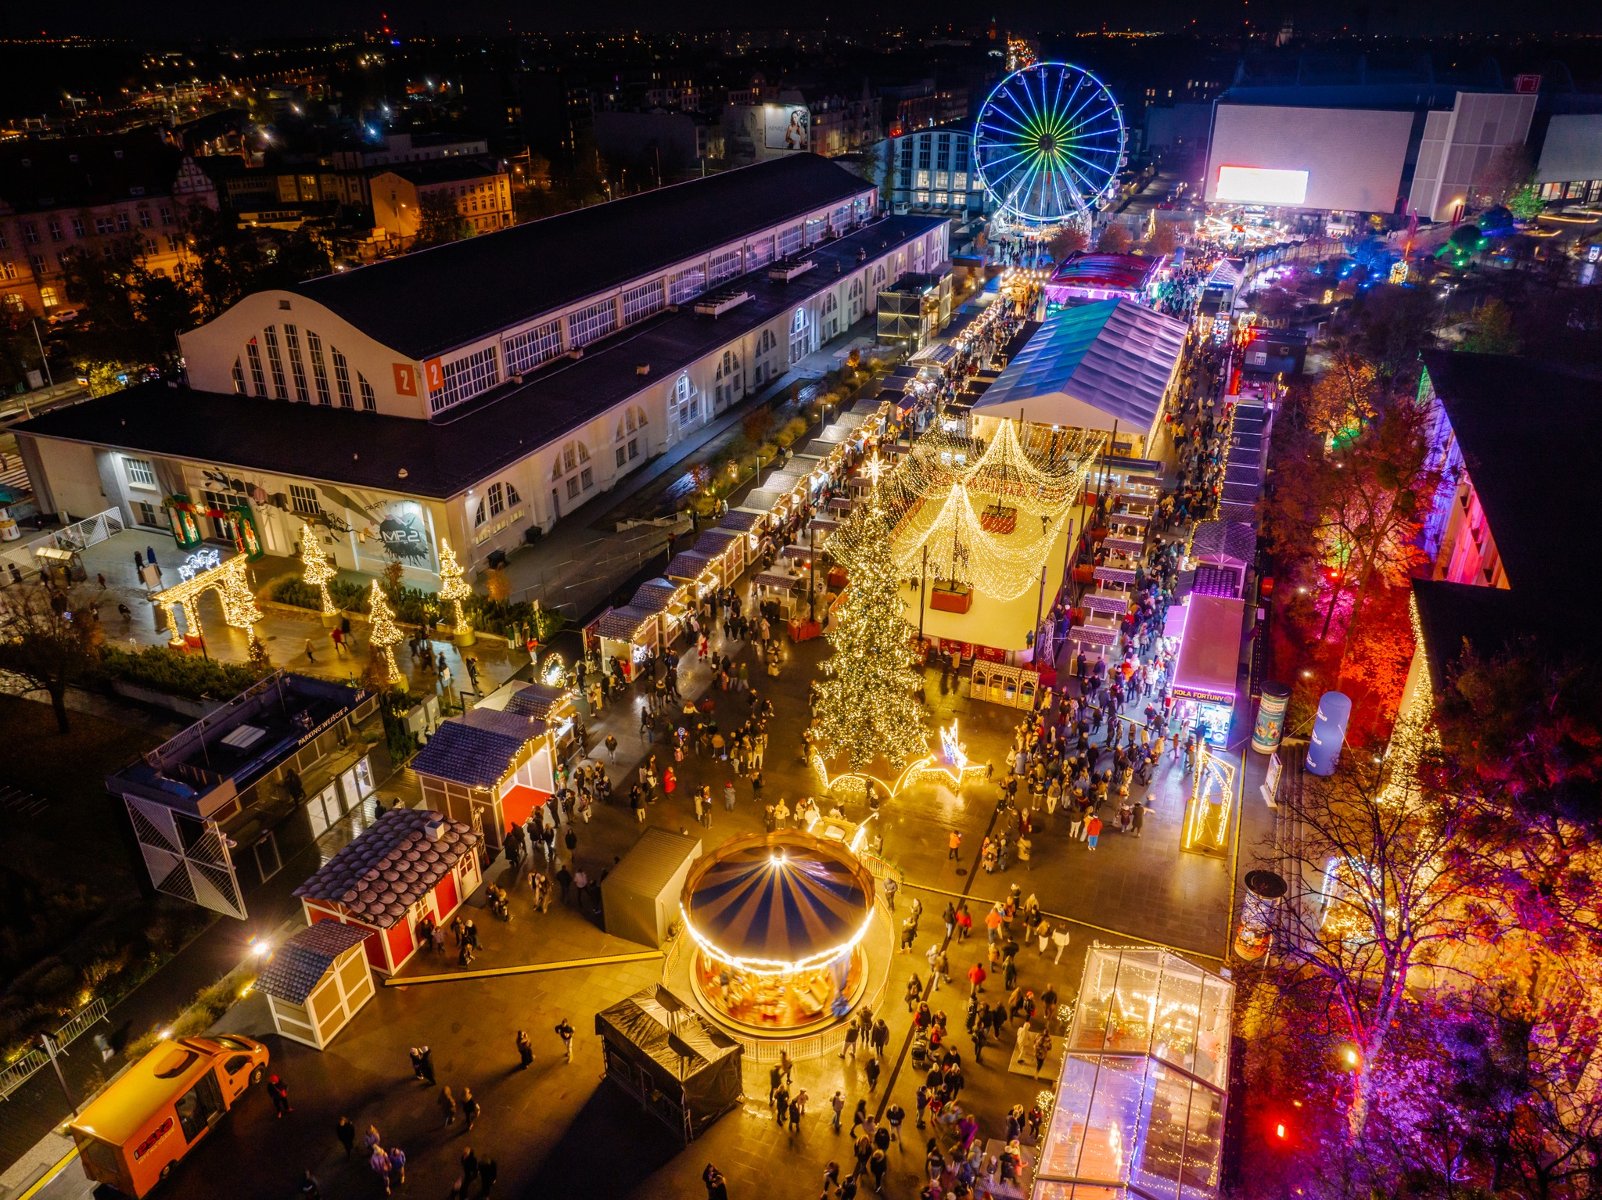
(208, 18)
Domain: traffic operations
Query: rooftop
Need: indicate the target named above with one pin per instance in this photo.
(476, 750)
(40, 174)
(440, 170)
(444, 458)
(298, 965)
(481, 285)
(392, 865)
(1122, 272)
(1529, 432)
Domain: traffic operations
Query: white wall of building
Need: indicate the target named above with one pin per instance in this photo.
(1459, 142)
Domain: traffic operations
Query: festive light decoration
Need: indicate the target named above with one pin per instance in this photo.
(948, 766)
(554, 672)
(232, 581)
(319, 570)
(454, 589)
(962, 550)
(1212, 796)
(384, 635)
(867, 703)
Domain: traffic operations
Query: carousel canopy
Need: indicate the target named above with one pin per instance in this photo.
(778, 900)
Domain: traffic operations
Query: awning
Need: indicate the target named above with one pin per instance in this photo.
(621, 624)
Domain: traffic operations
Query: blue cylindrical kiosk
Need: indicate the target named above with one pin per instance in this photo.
(1329, 733)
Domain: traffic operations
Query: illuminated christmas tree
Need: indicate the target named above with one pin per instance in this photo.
(868, 703)
(384, 635)
(454, 588)
(319, 571)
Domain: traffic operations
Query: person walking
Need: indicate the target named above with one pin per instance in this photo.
(873, 1069)
(525, 1050)
(564, 1030)
(378, 1162)
(488, 1172)
(837, 1105)
(1093, 830)
(470, 1108)
(309, 1188)
(279, 1091)
(345, 1131)
(397, 1167)
(447, 1105)
(1059, 938)
(895, 1114)
(954, 845)
(469, 1173)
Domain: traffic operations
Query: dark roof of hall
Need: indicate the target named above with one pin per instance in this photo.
(1531, 436)
(443, 457)
(435, 300)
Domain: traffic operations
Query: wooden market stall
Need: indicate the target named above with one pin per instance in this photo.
(317, 981)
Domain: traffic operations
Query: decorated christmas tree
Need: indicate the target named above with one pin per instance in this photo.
(868, 703)
(454, 588)
(383, 635)
(319, 571)
(257, 657)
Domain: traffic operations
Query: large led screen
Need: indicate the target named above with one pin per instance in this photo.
(1261, 185)
(1341, 158)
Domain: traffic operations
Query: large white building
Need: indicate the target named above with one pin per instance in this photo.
(480, 389)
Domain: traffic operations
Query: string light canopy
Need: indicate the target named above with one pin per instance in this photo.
(454, 589)
(961, 550)
(384, 635)
(319, 572)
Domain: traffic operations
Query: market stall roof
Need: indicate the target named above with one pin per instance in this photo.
(687, 564)
(1209, 657)
(654, 596)
(714, 542)
(764, 499)
(621, 624)
(780, 583)
(678, 1040)
(1233, 510)
(392, 865)
(1141, 1097)
(470, 753)
(298, 965)
(1091, 367)
(1114, 604)
(1241, 493)
(1216, 581)
(777, 898)
(1232, 543)
(742, 520)
(537, 700)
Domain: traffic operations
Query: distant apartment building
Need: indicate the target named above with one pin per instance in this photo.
(479, 190)
(764, 123)
(354, 166)
(922, 105)
(669, 142)
(931, 171)
(63, 196)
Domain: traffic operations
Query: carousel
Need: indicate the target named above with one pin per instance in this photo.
(780, 925)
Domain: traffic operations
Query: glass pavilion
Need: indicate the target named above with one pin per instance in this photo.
(1139, 1110)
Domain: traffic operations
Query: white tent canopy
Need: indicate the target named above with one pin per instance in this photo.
(1091, 366)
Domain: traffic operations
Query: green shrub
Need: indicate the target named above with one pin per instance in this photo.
(186, 675)
(793, 429)
(208, 1006)
(413, 605)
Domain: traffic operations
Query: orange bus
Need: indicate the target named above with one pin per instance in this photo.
(133, 1133)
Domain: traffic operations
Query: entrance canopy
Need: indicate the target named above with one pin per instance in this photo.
(1090, 367)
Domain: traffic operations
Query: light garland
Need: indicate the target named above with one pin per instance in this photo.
(319, 571)
(962, 550)
(1212, 795)
(384, 634)
(453, 587)
(772, 967)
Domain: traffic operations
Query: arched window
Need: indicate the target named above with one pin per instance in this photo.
(799, 341)
(496, 510)
(830, 303)
(854, 301)
(878, 276)
(728, 382)
(684, 404)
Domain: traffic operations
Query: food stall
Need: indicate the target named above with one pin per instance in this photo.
(316, 981)
(1139, 1104)
(1209, 665)
(489, 766)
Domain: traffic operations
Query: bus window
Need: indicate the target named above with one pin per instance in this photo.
(236, 1064)
(199, 1107)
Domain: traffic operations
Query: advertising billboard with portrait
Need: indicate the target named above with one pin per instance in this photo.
(786, 127)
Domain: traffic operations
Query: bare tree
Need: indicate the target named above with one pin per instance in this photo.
(1373, 903)
(47, 644)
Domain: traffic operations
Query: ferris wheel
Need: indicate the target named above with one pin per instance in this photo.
(1048, 144)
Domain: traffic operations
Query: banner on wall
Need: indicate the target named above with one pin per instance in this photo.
(405, 534)
(786, 127)
(242, 524)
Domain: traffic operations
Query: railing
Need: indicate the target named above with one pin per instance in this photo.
(80, 535)
(30, 1064)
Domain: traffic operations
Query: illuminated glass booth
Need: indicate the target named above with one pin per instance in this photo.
(777, 921)
(1139, 1110)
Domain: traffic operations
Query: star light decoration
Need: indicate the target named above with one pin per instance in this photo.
(948, 765)
(384, 634)
(319, 571)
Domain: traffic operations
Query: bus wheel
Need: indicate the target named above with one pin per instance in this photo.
(167, 1170)
(255, 1076)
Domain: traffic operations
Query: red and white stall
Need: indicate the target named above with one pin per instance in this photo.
(410, 864)
(489, 769)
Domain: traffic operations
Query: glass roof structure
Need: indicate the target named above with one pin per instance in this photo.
(1139, 1111)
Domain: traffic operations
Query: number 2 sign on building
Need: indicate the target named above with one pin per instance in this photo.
(405, 379)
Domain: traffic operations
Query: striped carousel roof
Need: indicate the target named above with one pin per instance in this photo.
(776, 899)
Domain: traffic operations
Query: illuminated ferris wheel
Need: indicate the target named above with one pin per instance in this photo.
(1049, 143)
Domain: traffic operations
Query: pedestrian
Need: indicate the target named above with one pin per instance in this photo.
(470, 1108)
(872, 1069)
(611, 745)
(797, 1107)
(488, 1171)
(525, 1050)
(1092, 830)
(470, 1169)
(279, 1091)
(1059, 938)
(895, 1114)
(850, 1047)
(878, 1164)
(716, 1187)
(308, 1187)
(1043, 932)
(427, 1052)
(345, 1131)
(564, 1030)
(379, 1162)
(447, 1105)
(397, 1166)
(976, 978)
(310, 657)
(953, 843)
(837, 1104)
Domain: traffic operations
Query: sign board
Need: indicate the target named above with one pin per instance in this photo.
(786, 127)
(1261, 185)
(405, 379)
(1270, 787)
(1526, 85)
(405, 536)
(434, 373)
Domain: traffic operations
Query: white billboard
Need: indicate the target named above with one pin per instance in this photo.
(1261, 185)
(1337, 158)
(786, 127)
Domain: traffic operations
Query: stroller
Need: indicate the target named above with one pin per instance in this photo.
(920, 1051)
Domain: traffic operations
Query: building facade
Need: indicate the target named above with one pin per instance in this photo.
(64, 196)
(478, 191)
(490, 387)
(931, 171)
